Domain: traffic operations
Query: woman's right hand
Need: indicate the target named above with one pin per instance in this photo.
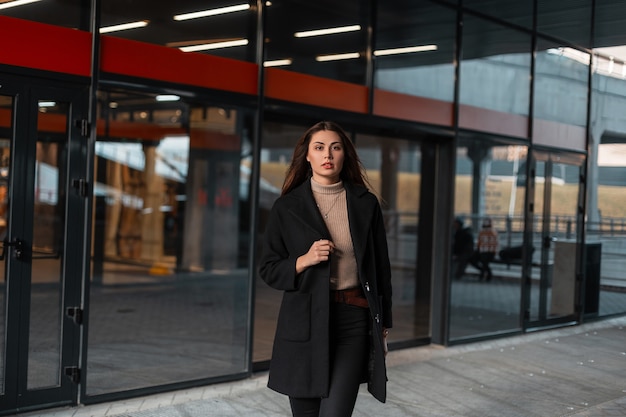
(319, 251)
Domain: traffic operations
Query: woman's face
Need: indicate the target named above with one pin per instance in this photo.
(326, 156)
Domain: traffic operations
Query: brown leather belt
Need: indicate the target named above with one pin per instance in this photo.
(352, 296)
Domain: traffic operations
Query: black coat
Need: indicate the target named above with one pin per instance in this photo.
(300, 361)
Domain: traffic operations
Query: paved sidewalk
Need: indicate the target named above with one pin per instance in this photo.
(575, 371)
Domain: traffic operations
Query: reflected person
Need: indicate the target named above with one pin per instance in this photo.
(462, 248)
(486, 249)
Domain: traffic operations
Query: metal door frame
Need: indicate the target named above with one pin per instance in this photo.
(24, 135)
(550, 157)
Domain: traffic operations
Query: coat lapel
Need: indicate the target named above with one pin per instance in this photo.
(305, 209)
(359, 218)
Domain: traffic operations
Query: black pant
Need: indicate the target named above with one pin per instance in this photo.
(349, 348)
(481, 261)
(460, 264)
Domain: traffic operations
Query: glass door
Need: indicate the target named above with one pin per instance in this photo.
(556, 238)
(42, 201)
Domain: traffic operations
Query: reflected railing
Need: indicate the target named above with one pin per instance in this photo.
(402, 237)
(612, 226)
(561, 226)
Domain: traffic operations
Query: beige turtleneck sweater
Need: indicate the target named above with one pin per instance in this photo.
(331, 201)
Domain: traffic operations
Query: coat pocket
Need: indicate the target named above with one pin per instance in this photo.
(294, 319)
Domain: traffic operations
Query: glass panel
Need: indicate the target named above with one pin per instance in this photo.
(571, 23)
(606, 176)
(561, 96)
(44, 343)
(286, 18)
(519, 12)
(393, 167)
(428, 72)
(276, 153)
(489, 206)
(494, 79)
(6, 138)
(555, 238)
(220, 27)
(606, 228)
(66, 13)
(539, 290)
(169, 292)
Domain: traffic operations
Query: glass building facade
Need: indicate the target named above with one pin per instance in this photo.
(143, 145)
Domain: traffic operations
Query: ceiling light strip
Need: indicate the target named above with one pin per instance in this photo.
(212, 12)
(278, 63)
(124, 26)
(407, 50)
(167, 97)
(16, 3)
(337, 57)
(214, 45)
(329, 31)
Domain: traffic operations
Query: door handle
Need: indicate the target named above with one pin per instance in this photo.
(18, 252)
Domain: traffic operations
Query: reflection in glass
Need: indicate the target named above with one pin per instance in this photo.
(574, 28)
(490, 186)
(561, 78)
(519, 12)
(165, 23)
(607, 227)
(494, 80)
(6, 138)
(65, 13)
(304, 53)
(169, 291)
(429, 73)
(394, 168)
(561, 96)
(44, 343)
(555, 238)
(276, 153)
(606, 222)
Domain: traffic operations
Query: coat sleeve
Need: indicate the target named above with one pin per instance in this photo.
(383, 267)
(277, 265)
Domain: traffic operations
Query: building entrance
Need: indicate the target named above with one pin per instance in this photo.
(42, 212)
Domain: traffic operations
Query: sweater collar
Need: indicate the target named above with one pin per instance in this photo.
(335, 188)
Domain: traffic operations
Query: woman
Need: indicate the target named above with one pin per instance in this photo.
(325, 246)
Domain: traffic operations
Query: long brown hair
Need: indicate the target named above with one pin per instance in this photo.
(300, 170)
